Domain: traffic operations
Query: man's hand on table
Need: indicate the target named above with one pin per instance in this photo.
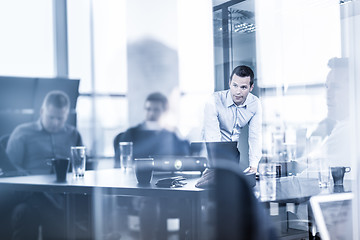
(207, 179)
(250, 170)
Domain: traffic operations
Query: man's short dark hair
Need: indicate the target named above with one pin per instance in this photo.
(158, 97)
(243, 71)
(58, 99)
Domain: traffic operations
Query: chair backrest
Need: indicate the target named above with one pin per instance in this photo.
(15, 110)
(4, 140)
(6, 166)
(239, 215)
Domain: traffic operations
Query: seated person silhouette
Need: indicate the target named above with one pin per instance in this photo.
(337, 97)
(150, 138)
(29, 148)
(335, 131)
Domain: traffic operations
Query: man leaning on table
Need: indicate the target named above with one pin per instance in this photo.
(30, 147)
(228, 111)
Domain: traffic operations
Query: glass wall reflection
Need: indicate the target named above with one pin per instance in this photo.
(144, 72)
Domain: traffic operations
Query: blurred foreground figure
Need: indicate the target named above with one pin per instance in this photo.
(238, 214)
(30, 147)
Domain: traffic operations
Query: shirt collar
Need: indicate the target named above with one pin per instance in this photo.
(150, 125)
(230, 102)
(40, 127)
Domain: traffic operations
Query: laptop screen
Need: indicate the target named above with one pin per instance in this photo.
(216, 151)
(333, 215)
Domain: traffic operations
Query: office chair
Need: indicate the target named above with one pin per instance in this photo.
(7, 168)
(238, 213)
(4, 140)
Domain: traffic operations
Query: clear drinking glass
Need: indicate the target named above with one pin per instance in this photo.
(126, 154)
(267, 172)
(78, 160)
(324, 172)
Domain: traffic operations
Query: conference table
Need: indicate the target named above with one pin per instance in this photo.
(116, 182)
(294, 191)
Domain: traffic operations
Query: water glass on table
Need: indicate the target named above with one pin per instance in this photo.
(267, 174)
(126, 154)
(78, 160)
(323, 172)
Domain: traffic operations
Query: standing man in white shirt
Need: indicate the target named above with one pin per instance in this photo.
(228, 111)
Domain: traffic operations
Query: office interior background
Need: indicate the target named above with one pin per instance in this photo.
(122, 50)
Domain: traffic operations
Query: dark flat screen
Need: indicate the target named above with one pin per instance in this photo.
(216, 151)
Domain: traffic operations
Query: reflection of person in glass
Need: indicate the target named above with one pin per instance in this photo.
(30, 147)
(337, 145)
(335, 129)
(337, 97)
(230, 110)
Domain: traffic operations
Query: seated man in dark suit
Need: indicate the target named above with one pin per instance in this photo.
(150, 138)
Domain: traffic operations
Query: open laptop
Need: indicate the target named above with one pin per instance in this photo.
(333, 215)
(216, 151)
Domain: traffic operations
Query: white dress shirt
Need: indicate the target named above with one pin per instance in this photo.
(223, 121)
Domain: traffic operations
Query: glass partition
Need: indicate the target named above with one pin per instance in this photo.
(304, 55)
(27, 38)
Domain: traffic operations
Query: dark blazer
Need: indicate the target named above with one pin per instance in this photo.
(150, 143)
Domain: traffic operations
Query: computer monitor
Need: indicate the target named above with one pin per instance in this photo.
(333, 215)
(216, 151)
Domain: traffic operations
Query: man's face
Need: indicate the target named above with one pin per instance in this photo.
(53, 119)
(240, 88)
(154, 110)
